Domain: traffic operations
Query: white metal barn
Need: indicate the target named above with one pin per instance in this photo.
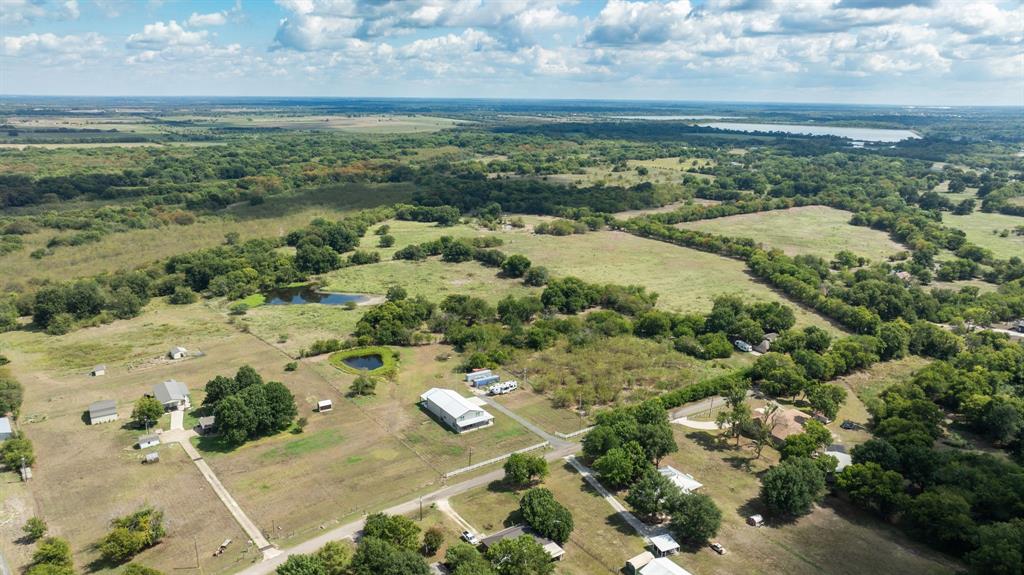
(102, 411)
(455, 411)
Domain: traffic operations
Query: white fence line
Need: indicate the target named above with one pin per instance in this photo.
(573, 434)
(494, 460)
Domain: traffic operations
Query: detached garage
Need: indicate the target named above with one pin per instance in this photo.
(102, 411)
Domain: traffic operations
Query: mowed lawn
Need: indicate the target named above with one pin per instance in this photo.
(835, 538)
(601, 541)
(815, 230)
(984, 229)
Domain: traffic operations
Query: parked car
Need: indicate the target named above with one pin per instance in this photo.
(849, 425)
(717, 547)
(470, 537)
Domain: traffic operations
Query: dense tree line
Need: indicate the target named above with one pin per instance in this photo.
(246, 407)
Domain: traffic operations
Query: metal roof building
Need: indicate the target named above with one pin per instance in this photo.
(102, 411)
(455, 411)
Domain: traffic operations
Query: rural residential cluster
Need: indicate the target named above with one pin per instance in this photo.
(323, 333)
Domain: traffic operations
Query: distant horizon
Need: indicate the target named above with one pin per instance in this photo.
(876, 52)
(509, 99)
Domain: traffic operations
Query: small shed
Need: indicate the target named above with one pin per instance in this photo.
(98, 370)
(26, 473)
(103, 411)
(664, 545)
(634, 565)
(755, 520)
(842, 457)
(6, 432)
(151, 457)
(151, 440)
(177, 352)
(743, 346)
(206, 424)
(324, 405)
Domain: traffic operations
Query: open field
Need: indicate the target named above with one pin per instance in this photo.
(289, 484)
(601, 541)
(815, 230)
(292, 484)
(292, 328)
(277, 216)
(835, 538)
(686, 280)
(79, 494)
(983, 229)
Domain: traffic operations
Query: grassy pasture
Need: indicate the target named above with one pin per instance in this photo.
(834, 538)
(815, 230)
(601, 542)
(276, 217)
(292, 484)
(687, 280)
(983, 229)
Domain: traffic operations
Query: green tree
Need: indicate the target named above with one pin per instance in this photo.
(464, 559)
(737, 416)
(523, 468)
(876, 450)
(299, 564)
(363, 385)
(536, 276)
(791, 487)
(335, 556)
(520, 556)
(545, 515)
(826, 399)
(386, 241)
(395, 529)
(650, 495)
(515, 266)
(433, 539)
(53, 551)
(48, 569)
(616, 467)
(695, 518)
(396, 293)
(17, 450)
(375, 556)
(1000, 549)
(235, 419)
(34, 528)
(871, 486)
(147, 411)
(11, 394)
(943, 518)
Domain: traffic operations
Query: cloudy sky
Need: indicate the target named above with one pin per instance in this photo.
(929, 52)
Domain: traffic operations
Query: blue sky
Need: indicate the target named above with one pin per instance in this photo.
(926, 52)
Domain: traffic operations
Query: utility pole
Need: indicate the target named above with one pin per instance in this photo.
(421, 508)
(471, 455)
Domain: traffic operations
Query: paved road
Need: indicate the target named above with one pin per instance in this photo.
(700, 406)
(554, 440)
(351, 530)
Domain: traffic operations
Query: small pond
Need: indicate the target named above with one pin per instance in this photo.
(306, 294)
(367, 362)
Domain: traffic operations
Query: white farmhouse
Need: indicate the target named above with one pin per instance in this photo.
(455, 411)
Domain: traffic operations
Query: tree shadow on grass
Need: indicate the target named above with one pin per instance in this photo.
(709, 441)
(214, 444)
